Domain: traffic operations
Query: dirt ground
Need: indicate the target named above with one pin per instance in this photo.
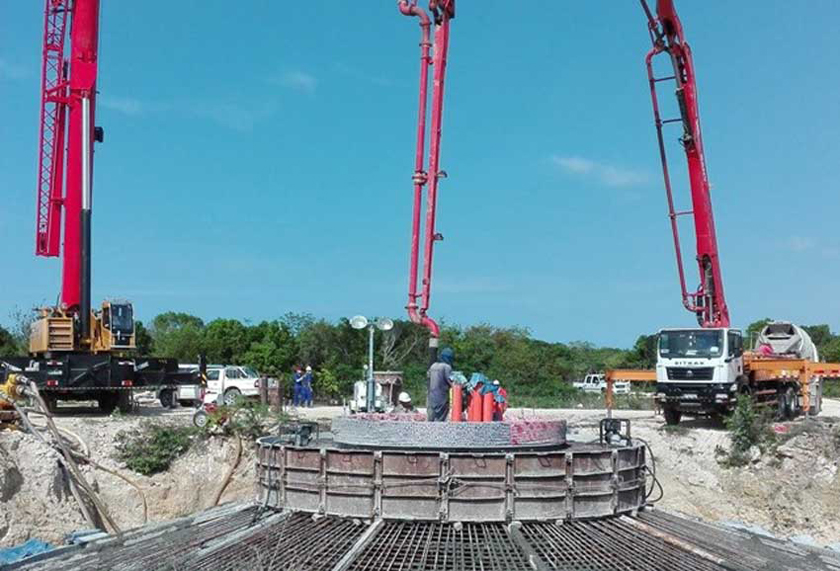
(793, 491)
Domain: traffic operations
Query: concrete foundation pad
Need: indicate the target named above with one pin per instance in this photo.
(413, 431)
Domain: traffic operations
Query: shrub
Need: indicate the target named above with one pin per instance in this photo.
(748, 428)
(246, 419)
(152, 447)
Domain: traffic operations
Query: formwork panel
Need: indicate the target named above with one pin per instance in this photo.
(586, 482)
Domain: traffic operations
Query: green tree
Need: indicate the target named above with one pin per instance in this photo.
(821, 336)
(8, 344)
(643, 354)
(272, 350)
(143, 339)
(177, 335)
(226, 341)
(754, 328)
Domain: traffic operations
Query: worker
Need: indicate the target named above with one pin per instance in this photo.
(440, 379)
(404, 404)
(297, 387)
(307, 387)
(501, 407)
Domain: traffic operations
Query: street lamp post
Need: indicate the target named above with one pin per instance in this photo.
(383, 324)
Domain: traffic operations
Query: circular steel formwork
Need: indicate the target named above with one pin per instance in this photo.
(512, 483)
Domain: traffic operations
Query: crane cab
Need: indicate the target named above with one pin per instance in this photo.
(58, 331)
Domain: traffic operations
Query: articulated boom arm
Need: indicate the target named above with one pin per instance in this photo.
(68, 102)
(442, 12)
(708, 302)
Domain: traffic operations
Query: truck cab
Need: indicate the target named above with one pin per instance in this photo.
(698, 371)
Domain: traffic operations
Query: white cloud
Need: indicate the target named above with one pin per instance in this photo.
(356, 73)
(609, 175)
(800, 243)
(298, 80)
(11, 71)
(231, 114)
(124, 105)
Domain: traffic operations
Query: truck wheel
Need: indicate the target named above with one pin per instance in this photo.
(231, 396)
(108, 401)
(672, 416)
(200, 419)
(125, 402)
(816, 402)
(790, 403)
(51, 402)
(166, 398)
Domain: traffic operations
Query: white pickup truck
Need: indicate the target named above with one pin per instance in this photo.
(596, 383)
(229, 381)
(232, 382)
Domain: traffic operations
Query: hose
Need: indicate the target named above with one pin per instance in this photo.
(652, 471)
(70, 462)
(229, 474)
(85, 456)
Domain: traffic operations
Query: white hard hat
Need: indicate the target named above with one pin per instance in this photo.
(404, 397)
(496, 382)
(308, 368)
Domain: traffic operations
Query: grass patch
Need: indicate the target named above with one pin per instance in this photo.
(831, 389)
(152, 447)
(674, 429)
(580, 399)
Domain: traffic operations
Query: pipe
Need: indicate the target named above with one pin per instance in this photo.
(474, 409)
(420, 178)
(439, 62)
(457, 402)
(488, 405)
(85, 222)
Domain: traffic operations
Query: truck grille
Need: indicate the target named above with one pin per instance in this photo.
(691, 373)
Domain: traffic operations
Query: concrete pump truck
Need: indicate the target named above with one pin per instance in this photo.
(77, 352)
(702, 371)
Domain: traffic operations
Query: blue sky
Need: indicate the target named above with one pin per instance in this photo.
(258, 161)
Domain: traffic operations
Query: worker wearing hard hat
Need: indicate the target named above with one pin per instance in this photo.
(307, 387)
(440, 379)
(404, 404)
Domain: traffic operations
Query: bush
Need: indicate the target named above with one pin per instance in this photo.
(748, 428)
(246, 419)
(152, 447)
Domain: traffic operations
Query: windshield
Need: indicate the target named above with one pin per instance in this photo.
(692, 343)
(250, 373)
(122, 318)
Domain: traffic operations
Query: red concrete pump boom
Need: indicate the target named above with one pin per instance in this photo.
(442, 11)
(68, 102)
(666, 32)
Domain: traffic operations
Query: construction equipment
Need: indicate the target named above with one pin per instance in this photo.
(702, 371)
(77, 352)
(442, 12)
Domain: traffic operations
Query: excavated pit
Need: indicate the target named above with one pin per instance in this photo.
(343, 503)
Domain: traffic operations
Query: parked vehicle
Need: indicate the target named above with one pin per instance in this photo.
(184, 395)
(701, 372)
(232, 382)
(597, 383)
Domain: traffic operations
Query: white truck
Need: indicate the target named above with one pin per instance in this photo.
(597, 383)
(232, 382)
(184, 395)
(701, 372)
